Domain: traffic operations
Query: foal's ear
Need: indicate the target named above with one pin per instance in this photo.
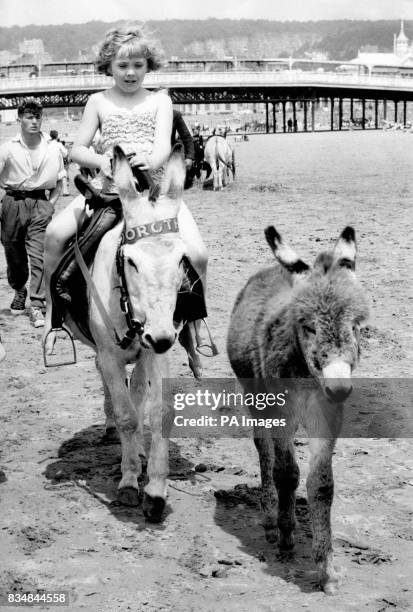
(345, 249)
(175, 171)
(284, 254)
(122, 174)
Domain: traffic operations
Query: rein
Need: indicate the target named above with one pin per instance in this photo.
(135, 327)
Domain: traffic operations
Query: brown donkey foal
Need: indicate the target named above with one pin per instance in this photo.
(291, 321)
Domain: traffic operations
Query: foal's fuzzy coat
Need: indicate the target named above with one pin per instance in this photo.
(293, 322)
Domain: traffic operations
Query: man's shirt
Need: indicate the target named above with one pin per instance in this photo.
(17, 171)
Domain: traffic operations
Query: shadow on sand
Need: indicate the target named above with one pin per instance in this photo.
(238, 513)
(91, 462)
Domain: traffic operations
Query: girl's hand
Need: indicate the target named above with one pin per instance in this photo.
(105, 166)
(139, 160)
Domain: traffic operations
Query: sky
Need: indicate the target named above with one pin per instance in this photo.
(43, 12)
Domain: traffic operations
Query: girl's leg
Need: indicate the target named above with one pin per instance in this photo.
(197, 253)
(58, 232)
(196, 247)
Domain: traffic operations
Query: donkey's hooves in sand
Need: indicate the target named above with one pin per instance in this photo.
(153, 508)
(128, 496)
(331, 587)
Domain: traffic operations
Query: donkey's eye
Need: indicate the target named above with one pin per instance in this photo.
(132, 264)
(309, 330)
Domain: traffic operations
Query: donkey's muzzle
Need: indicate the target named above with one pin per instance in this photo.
(159, 345)
(338, 393)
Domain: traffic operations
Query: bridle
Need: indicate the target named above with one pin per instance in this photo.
(131, 236)
(135, 326)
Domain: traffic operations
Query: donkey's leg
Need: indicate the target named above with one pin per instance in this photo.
(269, 500)
(126, 420)
(286, 478)
(139, 391)
(161, 419)
(320, 491)
(111, 433)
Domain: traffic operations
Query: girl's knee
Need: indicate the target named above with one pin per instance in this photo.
(198, 257)
(56, 236)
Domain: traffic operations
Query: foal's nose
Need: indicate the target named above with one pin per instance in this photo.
(337, 376)
(160, 344)
(339, 393)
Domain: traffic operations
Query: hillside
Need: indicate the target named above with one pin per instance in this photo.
(339, 40)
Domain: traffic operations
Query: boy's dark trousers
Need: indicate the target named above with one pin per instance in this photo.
(24, 218)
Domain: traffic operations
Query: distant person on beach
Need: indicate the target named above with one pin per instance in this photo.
(31, 171)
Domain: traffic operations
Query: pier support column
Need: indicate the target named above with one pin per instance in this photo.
(363, 113)
(351, 109)
(284, 118)
(294, 117)
(313, 103)
(274, 120)
(395, 111)
(267, 121)
(305, 115)
(376, 114)
(404, 112)
(385, 110)
(340, 113)
(331, 114)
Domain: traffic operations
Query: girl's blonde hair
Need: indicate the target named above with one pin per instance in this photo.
(134, 39)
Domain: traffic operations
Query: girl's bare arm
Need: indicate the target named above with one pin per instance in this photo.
(81, 152)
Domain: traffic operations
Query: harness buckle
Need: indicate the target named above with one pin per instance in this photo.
(124, 305)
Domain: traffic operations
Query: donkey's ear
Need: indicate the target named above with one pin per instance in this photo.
(345, 249)
(284, 254)
(122, 174)
(174, 178)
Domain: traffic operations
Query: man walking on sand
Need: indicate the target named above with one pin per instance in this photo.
(30, 164)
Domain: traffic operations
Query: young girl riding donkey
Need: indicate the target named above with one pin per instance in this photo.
(140, 122)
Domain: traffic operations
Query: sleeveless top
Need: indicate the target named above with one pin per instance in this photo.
(134, 131)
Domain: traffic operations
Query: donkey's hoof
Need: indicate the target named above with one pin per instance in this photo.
(128, 496)
(331, 587)
(153, 508)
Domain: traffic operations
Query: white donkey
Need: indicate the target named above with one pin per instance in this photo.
(220, 156)
(148, 248)
(293, 322)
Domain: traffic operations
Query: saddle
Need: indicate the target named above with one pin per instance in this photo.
(68, 285)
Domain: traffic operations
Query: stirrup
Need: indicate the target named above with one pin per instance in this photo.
(46, 357)
(208, 350)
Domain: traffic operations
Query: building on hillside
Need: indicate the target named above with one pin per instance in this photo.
(398, 62)
(34, 49)
(33, 46)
